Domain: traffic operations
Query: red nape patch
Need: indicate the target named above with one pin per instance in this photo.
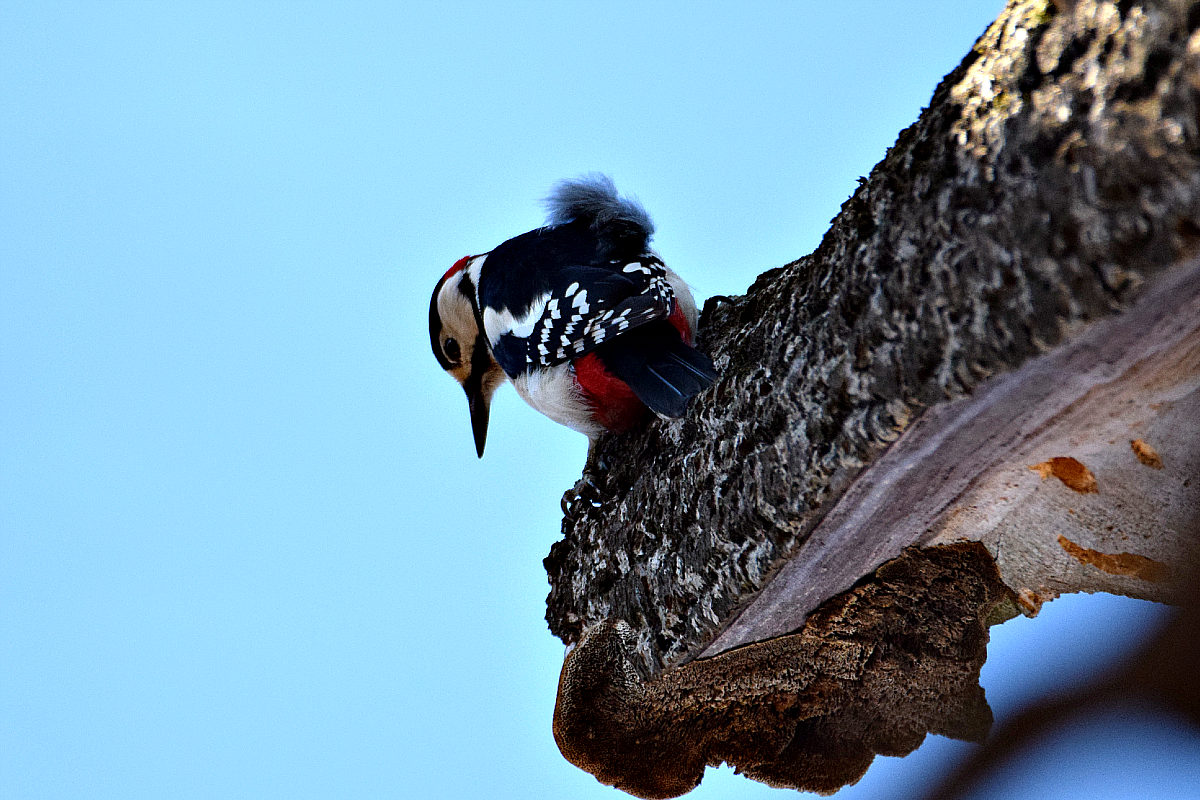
(458, 265)
(679, 321)
(614, 404)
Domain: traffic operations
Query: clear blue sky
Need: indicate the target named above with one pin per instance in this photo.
(246, 549)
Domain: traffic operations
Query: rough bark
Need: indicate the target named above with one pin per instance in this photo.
(1009, 289)
(1040, 466)
(800, 710)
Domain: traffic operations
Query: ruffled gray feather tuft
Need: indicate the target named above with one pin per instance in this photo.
(594, 198)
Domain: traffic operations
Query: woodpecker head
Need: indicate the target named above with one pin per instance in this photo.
(460, 345)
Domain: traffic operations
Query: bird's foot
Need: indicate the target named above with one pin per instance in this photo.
(585, 492)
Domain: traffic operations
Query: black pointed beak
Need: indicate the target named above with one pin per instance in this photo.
(480, 406)
(480, 385)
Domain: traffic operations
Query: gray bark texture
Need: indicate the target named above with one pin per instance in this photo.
(981, 390)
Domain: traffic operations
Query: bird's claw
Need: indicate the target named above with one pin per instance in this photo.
(585, 490)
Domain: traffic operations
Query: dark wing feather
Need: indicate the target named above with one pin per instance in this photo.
(663, 372)
(586, 307)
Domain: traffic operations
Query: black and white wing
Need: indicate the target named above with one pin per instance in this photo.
(584, 307)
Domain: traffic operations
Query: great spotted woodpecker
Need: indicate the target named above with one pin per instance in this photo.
(588, 323)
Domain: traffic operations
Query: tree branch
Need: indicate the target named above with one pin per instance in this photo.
(1010, 289)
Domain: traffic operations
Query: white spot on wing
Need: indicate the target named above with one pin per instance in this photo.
(499, 322)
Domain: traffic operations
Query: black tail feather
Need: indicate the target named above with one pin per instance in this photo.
(663, 372)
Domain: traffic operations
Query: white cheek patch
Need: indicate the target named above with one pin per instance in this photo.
(458, 319)
(473, 270)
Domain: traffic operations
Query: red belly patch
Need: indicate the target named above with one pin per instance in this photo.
(614, 405)
(679, 321)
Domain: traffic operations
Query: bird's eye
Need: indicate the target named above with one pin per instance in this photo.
(450, 348)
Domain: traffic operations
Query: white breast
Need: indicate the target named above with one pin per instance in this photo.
(553, 392)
